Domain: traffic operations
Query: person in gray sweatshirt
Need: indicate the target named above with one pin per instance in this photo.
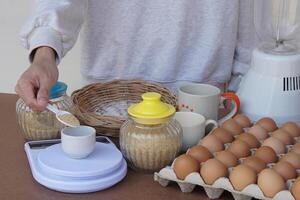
(167, 41)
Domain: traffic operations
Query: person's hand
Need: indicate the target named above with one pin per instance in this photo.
(34, 84)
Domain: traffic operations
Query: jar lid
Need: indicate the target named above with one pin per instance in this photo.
(151, 108)
(58, 90)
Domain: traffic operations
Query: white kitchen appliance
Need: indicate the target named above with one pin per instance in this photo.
(51, 167)
(271, 87)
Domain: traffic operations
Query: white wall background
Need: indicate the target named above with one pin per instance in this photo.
(14, 58)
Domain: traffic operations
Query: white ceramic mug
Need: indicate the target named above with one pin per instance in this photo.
(206, 100)
(78, 142)
(194, 127)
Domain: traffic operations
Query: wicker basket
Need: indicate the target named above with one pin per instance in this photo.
(104, 105)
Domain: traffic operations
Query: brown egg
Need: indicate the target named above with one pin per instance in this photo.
(296, 149)
(292, 128)
(256, 163)
(292, 158)
(259, 132)
(211, 170)
(184, 165)
(275, 144)
(285, 169)
(243, 120)
(266, 154)
(297, 145)
(239, 148)
(232, 126)
(283, 136)
(223, 135)
(270, 182)
(295, 189)
(242, 176)
(227, 158)
(212, 143)
(268, 124)
(249, 139)
(200, 153)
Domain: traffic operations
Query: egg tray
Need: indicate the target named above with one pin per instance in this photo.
(214, 191)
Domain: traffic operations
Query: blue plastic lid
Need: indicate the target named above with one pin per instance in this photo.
(58, 90)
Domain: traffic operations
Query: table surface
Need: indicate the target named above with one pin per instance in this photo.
(16, 181)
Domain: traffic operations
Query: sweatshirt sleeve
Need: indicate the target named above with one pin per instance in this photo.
(54, 23)
(245, 38)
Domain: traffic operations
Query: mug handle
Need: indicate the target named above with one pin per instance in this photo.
(208, 124)
(236, 105)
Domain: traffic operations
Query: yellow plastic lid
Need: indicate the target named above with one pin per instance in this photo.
(151, 110)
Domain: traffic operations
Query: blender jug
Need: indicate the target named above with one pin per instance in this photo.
(277, 24)
(271, 87)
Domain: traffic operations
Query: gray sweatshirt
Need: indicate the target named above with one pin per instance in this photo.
(160, 40)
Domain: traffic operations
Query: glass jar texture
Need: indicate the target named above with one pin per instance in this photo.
(149, 148)
(42, 125)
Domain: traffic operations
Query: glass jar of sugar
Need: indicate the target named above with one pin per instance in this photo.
(44, 125)
(150, 139)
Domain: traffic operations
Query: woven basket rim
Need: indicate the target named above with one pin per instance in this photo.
(113, 82)
(85, 105)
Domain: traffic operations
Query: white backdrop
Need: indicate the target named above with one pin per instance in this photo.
(14, 58)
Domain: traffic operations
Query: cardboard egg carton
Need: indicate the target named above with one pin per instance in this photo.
(167, 174)
(214, 191)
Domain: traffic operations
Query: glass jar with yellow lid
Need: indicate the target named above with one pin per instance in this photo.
(150, 139)
(44, 125)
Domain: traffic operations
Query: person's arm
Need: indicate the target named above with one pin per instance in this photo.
(49, 34)
(245, 38)
(35, 82)
(244, 44)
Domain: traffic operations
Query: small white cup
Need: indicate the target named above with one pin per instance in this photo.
(78, 142)
(193, 126)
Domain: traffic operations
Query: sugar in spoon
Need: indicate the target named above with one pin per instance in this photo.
(64, 117)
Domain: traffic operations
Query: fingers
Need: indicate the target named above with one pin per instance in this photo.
(34, 85)
(26, 90)
(33, 89)
(36, 98)
(42, 97)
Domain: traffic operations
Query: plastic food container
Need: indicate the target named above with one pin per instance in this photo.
(44, 125)
(150, 139)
